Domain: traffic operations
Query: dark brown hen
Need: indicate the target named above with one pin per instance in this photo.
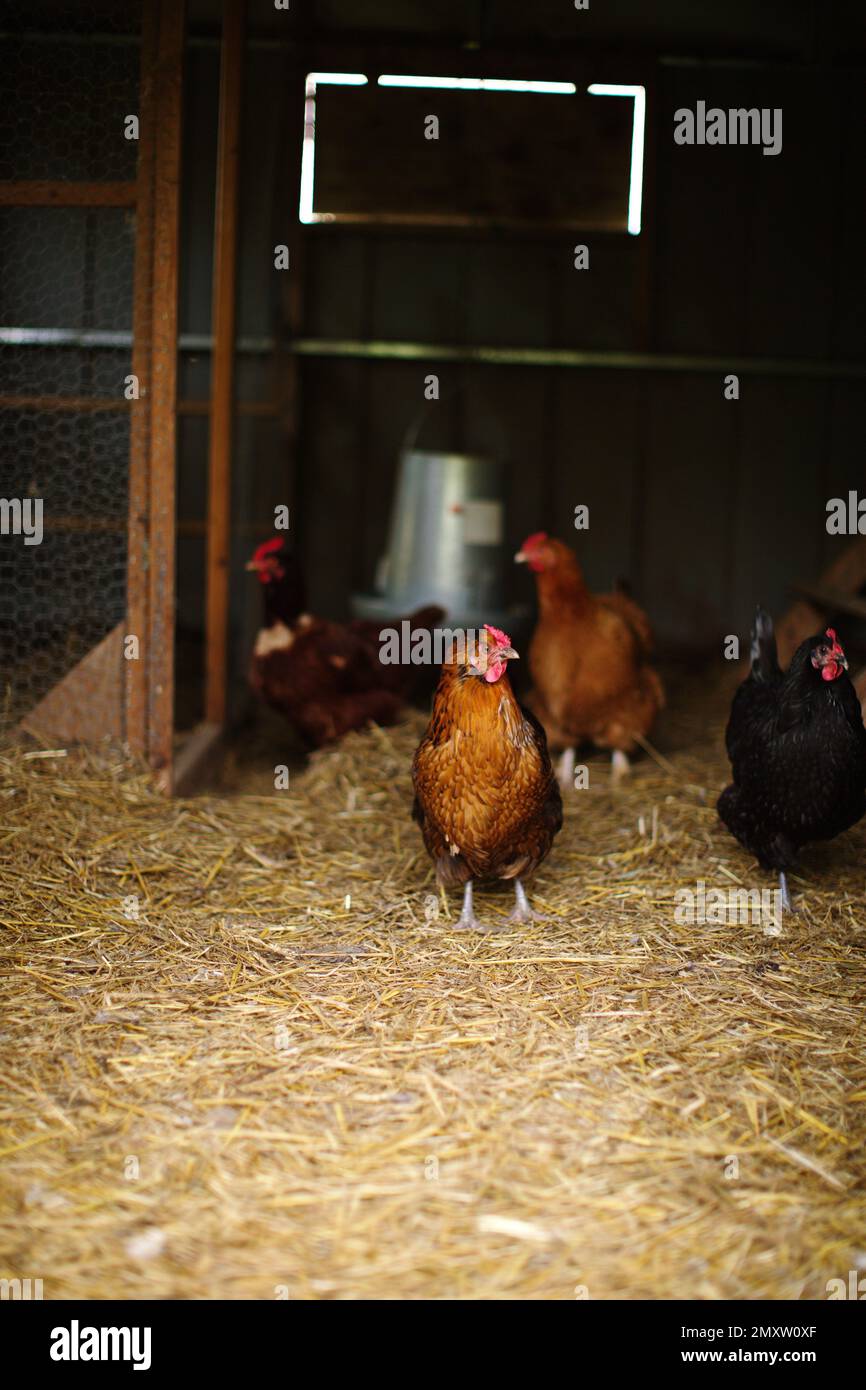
(326, 678)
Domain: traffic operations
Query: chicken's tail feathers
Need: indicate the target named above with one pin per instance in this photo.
(765, 659)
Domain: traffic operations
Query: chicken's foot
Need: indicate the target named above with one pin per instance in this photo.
(467, 921)
(522, 911)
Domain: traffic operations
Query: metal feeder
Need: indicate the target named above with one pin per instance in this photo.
(446, 543)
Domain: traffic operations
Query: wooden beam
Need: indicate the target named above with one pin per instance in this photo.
(95, 405)
(117, 526)
(222, 372)
(162, 386)
(64, 193)
(453, 221)
(138, 505)
(78, 405)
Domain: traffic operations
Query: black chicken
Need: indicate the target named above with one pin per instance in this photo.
(797, 747)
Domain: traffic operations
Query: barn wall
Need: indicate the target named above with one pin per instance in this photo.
(705, 504)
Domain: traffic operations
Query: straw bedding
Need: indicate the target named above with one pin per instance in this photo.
(288, 1078)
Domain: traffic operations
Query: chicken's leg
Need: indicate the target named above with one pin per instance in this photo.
(565, 770)
(467, 920)
(522, 911)
(784, 896)
(619, 764)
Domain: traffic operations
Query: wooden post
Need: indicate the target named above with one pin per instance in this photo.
(159, 653)
(646, 326)
(288, 228)
(139, 429)
(222, 364)
(649, 231)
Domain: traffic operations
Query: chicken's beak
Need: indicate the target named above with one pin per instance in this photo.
(506, 654)
(253, 566)
(521, 557)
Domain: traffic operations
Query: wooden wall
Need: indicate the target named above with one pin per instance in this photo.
(705, 505)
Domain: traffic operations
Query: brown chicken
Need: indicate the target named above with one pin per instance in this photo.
(325, 677)
(486, 797)
(589, 660)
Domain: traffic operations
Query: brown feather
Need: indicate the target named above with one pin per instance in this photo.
(588, 660)
(486, 796)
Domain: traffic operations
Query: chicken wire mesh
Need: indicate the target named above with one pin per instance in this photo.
(70, 83)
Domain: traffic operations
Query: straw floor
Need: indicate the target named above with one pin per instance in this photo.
(286, 1077)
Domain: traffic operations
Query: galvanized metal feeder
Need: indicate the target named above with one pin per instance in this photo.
(446, 543)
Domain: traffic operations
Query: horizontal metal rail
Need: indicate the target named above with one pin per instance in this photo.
(117, 338)
(574, 358)
(405, 351)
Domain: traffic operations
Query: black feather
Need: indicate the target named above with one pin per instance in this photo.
(797, 747)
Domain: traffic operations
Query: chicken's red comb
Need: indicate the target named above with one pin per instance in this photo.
(268, 547)
(500, 638)
(837, 647)
(537, 538)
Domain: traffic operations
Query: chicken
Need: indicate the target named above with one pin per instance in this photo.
(401, 677)
(282, 580)
(797, 747)
(486, 797)
(589, 660)
(325, 677)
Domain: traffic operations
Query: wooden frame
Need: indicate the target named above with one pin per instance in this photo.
(139, 438)
(223, 364)
(138, 695)
(99, 405)
(603, 216)
(64, 193)
(159, 653)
